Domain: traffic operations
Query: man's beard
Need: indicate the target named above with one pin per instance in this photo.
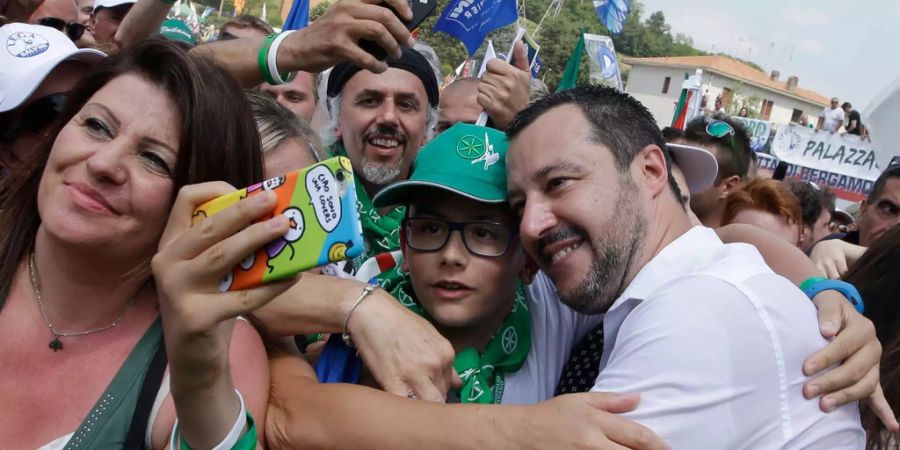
(613, 255)
(380, 175)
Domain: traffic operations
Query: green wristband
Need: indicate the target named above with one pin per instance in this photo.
(247, 441)
(810, 281)
(168, 2)
(263, 59)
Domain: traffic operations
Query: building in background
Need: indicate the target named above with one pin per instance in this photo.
(656, 82)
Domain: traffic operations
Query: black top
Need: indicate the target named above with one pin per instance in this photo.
(854, 115)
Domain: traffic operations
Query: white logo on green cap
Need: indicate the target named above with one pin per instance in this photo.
(489, 157)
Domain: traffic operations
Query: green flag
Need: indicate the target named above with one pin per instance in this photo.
(570, 76)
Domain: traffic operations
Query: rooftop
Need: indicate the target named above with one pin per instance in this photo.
(732, 68)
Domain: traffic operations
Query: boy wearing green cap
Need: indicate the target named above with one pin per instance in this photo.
(463, 268)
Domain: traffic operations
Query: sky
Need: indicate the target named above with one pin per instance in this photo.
(848, 49)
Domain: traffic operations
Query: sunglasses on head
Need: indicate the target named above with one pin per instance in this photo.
(73, 30)
(34, 117)
(719, 129)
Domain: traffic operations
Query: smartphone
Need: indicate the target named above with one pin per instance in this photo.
(420, 9)
(320, 202)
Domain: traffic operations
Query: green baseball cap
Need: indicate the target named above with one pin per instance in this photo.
(468, 160)
(176, 30)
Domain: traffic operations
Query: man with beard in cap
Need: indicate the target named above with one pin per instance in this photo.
(380, 121)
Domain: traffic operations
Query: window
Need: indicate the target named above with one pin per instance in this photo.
(766, 109)
(796, 115)
(666, 85)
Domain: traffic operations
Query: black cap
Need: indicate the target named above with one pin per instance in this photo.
(411, 61)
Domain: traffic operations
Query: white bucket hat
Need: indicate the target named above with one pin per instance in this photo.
(30, 53)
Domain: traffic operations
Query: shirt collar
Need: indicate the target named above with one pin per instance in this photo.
(679, 258)
(675, 260)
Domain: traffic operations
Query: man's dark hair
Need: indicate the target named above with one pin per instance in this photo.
(248, 21)
(878, 187)
(813, 199)
(671, 134)
(729, 159)
(846, 105)
(617, 120)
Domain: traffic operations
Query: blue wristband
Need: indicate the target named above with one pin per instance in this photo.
(847, 289)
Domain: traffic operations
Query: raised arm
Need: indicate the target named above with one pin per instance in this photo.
(142, 21)
(331, 38)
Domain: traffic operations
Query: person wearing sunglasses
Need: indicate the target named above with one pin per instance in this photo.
(730, 144)
(39, 68)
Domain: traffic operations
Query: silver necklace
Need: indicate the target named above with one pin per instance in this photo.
(56, 344)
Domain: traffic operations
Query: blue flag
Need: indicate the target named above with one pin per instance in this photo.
(471, 20)
(298, 17)
(612, 14)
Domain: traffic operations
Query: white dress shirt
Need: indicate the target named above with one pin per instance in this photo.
(714, 342)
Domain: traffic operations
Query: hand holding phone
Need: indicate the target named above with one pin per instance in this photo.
(320, 203)
(421, 9)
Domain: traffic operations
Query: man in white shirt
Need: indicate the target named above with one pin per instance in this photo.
(832, 117)
(706, 332)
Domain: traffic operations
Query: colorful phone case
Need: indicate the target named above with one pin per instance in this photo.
(320, 202)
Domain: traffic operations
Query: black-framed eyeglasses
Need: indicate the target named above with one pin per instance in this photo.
(34, 116)
(481, 238)
(719, 129)
(73, 30)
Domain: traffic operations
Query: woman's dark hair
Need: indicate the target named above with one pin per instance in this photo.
(875, 276)
(217, 141)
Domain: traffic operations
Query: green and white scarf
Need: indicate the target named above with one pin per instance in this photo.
(482, 374)
(381, 232)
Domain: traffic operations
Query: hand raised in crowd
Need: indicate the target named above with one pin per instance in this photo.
(585, 421)
(854, 346)
(505, 89)
(335, 36)
(198, 320)
(834, 256)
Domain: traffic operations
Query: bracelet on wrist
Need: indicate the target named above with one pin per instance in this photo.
(263, 59)
(813, 285)
(272, 58)
(236, 439)
(345, 336)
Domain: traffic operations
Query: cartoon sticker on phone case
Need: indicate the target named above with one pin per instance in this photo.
(320, 203)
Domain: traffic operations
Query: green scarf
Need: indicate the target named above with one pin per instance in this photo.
(381, 232)
(482, 374)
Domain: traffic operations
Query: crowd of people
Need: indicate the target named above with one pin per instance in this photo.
(566, 276)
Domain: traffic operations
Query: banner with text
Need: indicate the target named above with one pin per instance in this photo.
(758, 131)
(845, 187)
(821, 150)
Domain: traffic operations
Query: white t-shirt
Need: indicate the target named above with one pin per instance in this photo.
(714, 341)
(555, 328)
(834, 118)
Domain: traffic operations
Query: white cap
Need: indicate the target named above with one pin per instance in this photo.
(112, 3)
(699, 166)
(31, 53)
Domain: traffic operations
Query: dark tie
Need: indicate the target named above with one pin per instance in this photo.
(581, 371)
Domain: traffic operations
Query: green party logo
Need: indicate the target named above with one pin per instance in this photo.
(509, 340)
(470, 147)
